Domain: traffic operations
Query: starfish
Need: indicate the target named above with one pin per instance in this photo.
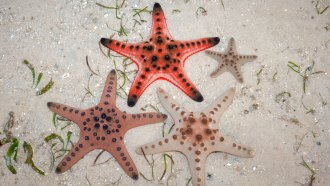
(194, 137)
(103, 127)
(160, 57)
(230, 61)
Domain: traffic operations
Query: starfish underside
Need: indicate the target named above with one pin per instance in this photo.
(194, 135)
(230, 61)
(103, 127)
(160, 57)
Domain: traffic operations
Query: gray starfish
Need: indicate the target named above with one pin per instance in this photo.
(230, 61)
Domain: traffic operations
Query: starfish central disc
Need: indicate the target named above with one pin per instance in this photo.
(160, 57)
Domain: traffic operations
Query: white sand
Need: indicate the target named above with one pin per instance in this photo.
(55, 36)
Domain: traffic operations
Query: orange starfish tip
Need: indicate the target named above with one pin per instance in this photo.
(216, 40)
(200, 98)
(105, 41)
(156, 5)
(131, 101)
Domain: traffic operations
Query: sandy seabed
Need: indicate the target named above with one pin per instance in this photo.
(56, 36)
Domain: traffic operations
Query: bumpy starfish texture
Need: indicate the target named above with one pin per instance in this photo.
(230, 61)
(103, 127)
(160, 57)
(194, 135)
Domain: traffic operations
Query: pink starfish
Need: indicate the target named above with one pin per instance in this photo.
(103, 127)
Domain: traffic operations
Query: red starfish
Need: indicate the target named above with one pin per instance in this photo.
(103, 127)
(160, 57)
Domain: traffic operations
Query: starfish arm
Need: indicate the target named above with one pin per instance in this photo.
(166, 144)
(141, 82)
(218, 71)
(136, 120)
(246, 58)
(220, 105)
(109, 91)
(126, 49)
(120, 153)
(78, 151)
(181, 81)
(170, 105)
(219, 57)
(197, 168)
(232, 46)
(194, 46)
(237, 73)
(68, 112)
(224, 144)
(215, 55)
(159, 26)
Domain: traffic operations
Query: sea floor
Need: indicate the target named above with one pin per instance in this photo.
(281, 113)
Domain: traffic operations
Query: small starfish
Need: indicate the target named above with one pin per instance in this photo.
(103, 127)
(160, 57)
(230, 61)
(194, 136)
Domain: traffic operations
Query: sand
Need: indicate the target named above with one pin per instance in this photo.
(56, 37)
